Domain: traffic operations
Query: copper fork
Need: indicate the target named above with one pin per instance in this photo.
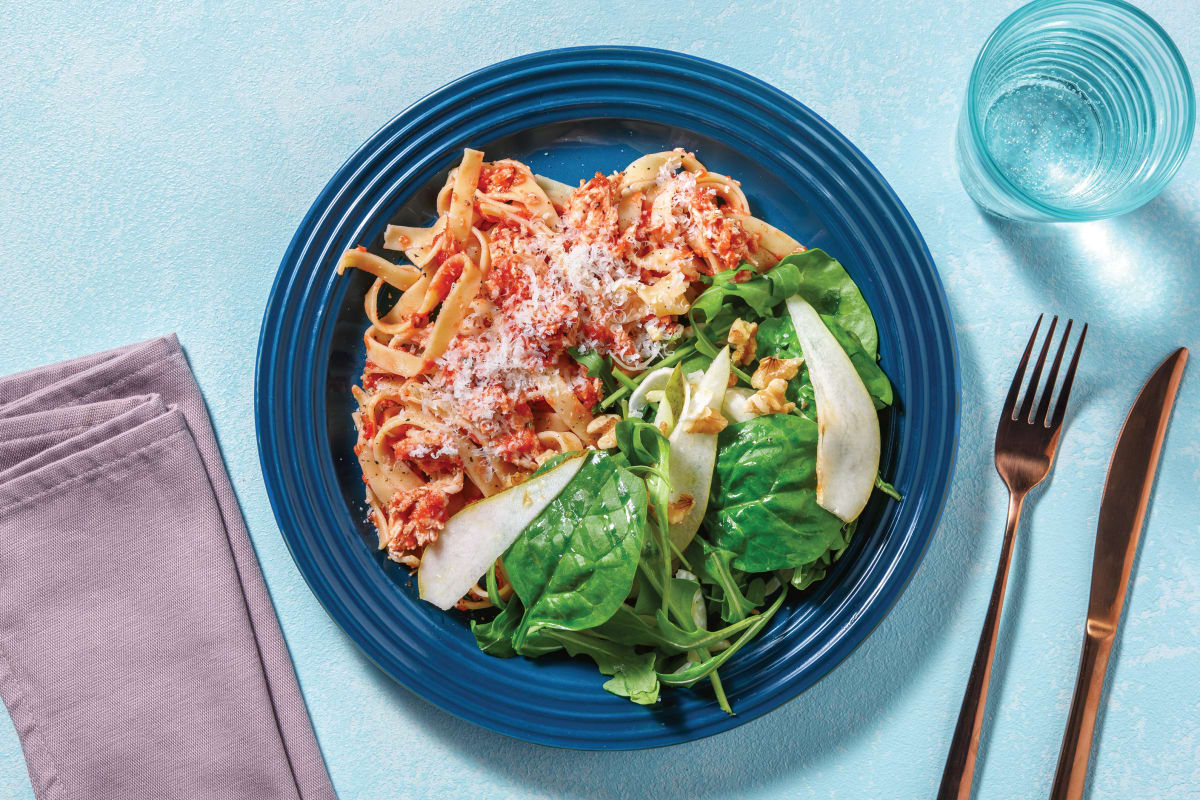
(1026, 441)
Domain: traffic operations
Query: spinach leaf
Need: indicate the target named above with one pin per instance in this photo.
(649, 453)
(763, 506)
(820, 280)
(777, 337)
(814, 275)
(760, 293)
(826, 285)
(495, 637)
(808, 574)
(878, 385)
(574, 564)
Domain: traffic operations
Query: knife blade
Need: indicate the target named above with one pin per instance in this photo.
(1122, 512)
(1127, 492)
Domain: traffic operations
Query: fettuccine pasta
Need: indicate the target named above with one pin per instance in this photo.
(471, 379)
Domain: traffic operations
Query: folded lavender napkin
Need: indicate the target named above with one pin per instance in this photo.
(140, 655)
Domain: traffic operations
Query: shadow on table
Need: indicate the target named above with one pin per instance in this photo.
(812, 731)
(1088, 268)
(1136, 269)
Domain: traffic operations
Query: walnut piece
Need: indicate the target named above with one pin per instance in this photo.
(678, 509)
(743, 339)
(707, 421)
(770, 400)
(604, 427)
(772, 368)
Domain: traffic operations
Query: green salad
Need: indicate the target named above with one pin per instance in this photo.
(739, 467)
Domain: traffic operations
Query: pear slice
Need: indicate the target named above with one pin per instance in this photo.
(655, 381)
(733, 408)
(693, 455)
(482, 532)
(847, 423)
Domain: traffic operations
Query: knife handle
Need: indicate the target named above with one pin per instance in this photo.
(1071, 775)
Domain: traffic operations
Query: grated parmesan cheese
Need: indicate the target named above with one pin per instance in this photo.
(574, 288)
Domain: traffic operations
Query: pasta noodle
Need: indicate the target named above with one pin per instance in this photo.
(399, 275)
(470, 382)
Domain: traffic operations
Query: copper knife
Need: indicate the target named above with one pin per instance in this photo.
(1122, 512)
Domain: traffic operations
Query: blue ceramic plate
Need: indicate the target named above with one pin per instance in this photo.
(568, 114)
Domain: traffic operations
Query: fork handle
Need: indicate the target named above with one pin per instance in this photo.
(1071, 775)
(960, 762)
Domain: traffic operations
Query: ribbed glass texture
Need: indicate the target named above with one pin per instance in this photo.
(1076, 110)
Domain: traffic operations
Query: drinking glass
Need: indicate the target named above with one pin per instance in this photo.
(1076, 110)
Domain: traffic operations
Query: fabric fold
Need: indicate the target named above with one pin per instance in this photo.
(60, 443)
(26, 435)
(139, 651)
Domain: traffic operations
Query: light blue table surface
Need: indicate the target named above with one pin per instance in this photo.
(155, 162)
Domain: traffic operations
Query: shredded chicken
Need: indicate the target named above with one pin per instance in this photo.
(416, 516)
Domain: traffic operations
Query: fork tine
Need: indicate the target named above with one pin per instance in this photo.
(1060, 408)
(1042, 415)
(1010, 404)
(1025, 413)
